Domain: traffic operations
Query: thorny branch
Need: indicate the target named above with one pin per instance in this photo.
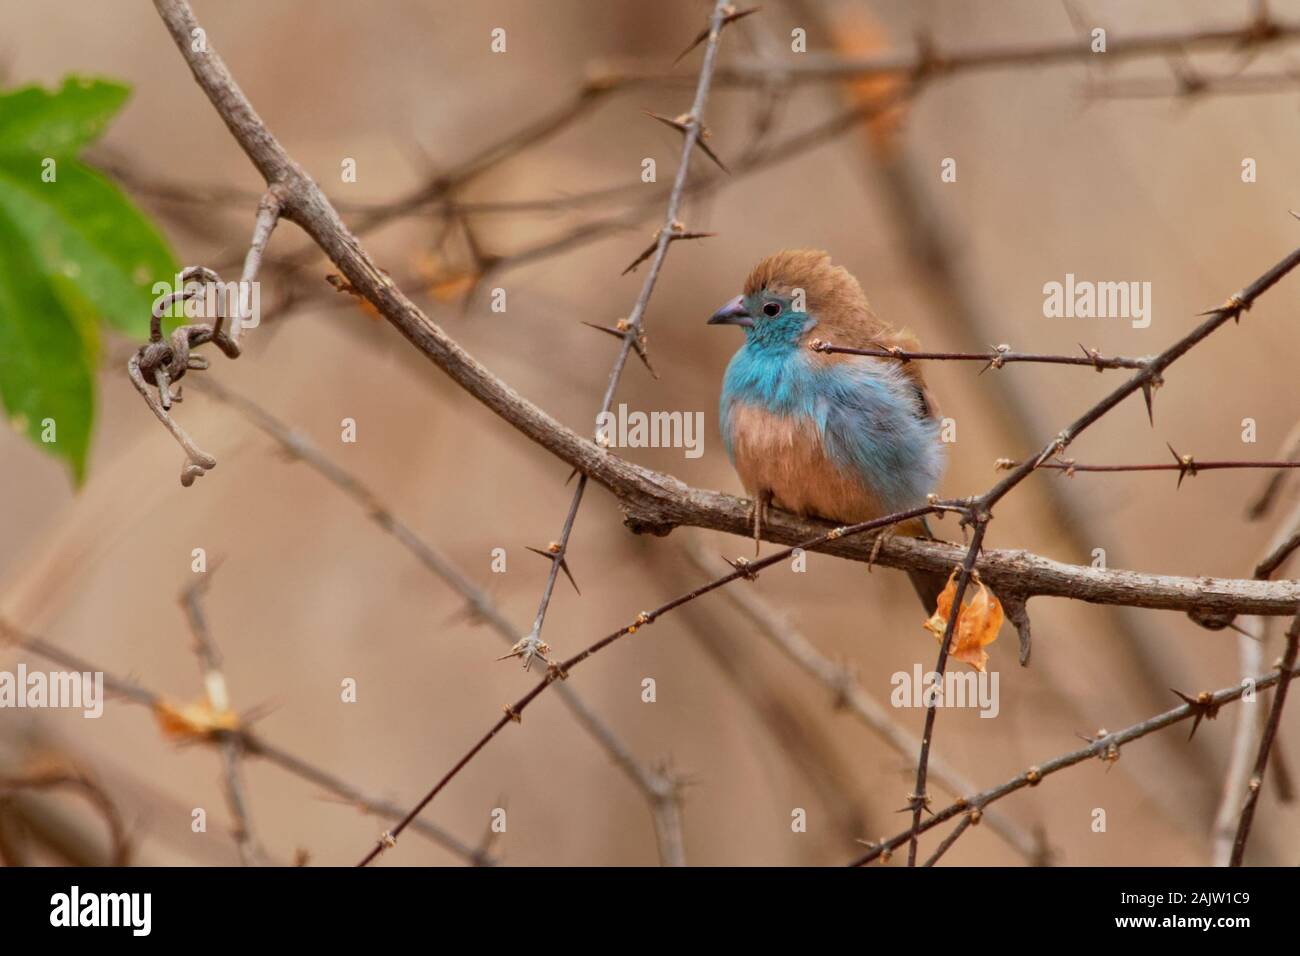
(1186, 466)
(232, 751)
(655, 502)
(850, 695)
(304, 204)
(929, 62)
(251, 744)
(968, 819)
(981, 508)
(441, 188)
(918, 799)
(915, 71)
(1250, 725)
(996, 357)
(1105, 746)
(691, 126)
(1286, 670)
(560, 671)
(660, 788)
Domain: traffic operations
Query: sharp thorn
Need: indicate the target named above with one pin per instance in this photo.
(700, 38)
(704, 34)
(649, 251)
(557, 555)
(699, 141)
(666, 120)
(645, 358)
(564, 566)
(683, 128)
(604, 328)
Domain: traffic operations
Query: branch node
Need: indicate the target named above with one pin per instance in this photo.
(1203, 705)
(1186, 464)
(742, 565)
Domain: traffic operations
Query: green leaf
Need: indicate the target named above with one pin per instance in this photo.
(42, 123)
(46, 363)
(81, 227)
(74, 252)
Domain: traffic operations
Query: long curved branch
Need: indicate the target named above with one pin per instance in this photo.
(655, 502)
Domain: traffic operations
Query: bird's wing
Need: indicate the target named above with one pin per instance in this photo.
(864, 330)
(891, 447)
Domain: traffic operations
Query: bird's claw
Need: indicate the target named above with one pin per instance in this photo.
(758, 511)
(884, 535)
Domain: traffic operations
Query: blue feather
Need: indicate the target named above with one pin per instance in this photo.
(865, 413)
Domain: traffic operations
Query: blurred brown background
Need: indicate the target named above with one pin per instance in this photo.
(311, 592)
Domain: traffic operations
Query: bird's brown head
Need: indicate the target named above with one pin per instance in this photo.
(790, 292)
(826, 287)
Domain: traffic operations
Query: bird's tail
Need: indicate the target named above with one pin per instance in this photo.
(928, 584)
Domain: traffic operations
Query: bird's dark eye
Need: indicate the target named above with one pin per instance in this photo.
(771, 310)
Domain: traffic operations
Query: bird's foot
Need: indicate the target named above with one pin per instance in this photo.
(885, 534)
(759, 513)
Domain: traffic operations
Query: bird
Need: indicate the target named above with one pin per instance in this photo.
(846, 438)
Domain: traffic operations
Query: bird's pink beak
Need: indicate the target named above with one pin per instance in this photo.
(733, 313)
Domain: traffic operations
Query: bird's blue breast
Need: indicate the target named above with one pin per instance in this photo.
(866, 413)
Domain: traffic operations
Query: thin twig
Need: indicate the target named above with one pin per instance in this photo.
(1278, 556)
(981, 508)
(929, 61)
(560, 671)
(1103, 747)
(214, 683)
(1187, 84)
(305, 205)
(938, 257)
(1245, 738)
(661, 790)
(161, 362)
(919, 798)
(1189, 467)
(996, 357)
(691, 125)
(1256, 782)
(252, 744)
(850, 695)
(1253, 631)
(1290, 449)
(76, 780)
(966, 821)
(268, 215)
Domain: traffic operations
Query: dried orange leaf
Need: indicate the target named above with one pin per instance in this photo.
(978, 622)
(194, 721)
(858, 34)
(938, 622)
(446, 282)
(453, 287)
